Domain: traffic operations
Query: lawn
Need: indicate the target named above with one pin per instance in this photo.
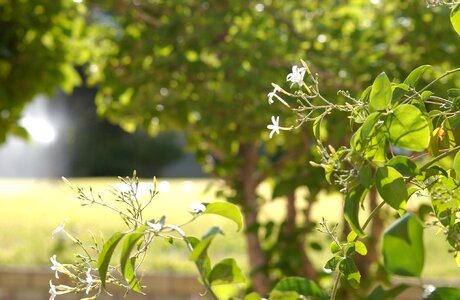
(31, 209)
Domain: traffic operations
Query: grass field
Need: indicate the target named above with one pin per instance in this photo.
(31, 209)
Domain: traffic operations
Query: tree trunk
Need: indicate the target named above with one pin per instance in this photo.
(306, 268)
(248, 182)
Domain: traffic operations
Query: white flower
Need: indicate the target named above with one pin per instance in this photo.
(52, 291)
(88, 280)
(273, 93)
(156, 227)
(58, 229)
(296, 76)
(197, 207)
(274, 127)
(56, 265)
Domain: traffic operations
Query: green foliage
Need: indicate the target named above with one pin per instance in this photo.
(403, 249)
(443, 293)
(104, 257)
(225, 272)
(39, 45)
(227, 210)
(351, 210)
(296, 288)
(200, 250)
(381, 94)
(391, 187)
(384, 154)
(455, 18)
(407, 128)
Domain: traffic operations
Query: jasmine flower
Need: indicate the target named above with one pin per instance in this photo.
(273, 93)
(274, 127)
(296, 76)
(197, 207)
(156, 227)
(59, 228)
(56, 265)
(88, 280)
(52, 291)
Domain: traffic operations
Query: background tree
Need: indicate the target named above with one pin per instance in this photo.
(203, 67)
(39, 46)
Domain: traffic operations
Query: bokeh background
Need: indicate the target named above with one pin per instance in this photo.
(92, 90)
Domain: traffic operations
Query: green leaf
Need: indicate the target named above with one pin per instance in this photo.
(457, 166)
(381, 93)
(404, 165)
(380, 293)
(301, 286)
(443, 293)
(365, 176)
(200, 250)
(104, 257)
(350, 271)
(332, 263)
(252, 296)
(369, 126)
(407, 128)
(455, 18)
(317, 129)
(130, 275)
(403, 251)
(127, 270)
(360, 248)
(226, 271)
(227, 210)
(391, 187)
(415, 75)
(334, 247)
(351, 210)
(399, 91)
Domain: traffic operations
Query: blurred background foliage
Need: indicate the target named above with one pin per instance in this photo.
(205, 68)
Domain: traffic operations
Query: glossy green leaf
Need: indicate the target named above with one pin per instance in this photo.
(407, 128)
(415, 75)
(301, 286)
(403, 250)
(227, 210)
(391, 187)
(104, 257)
(350, 272)
(351, 210)
(200, 250)
(381, 93)
(360, 248)
(127, 270)
(442, 293)
(225, 272)
(332, 263)
(457, 166)
(455, 18)
(404, 165)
